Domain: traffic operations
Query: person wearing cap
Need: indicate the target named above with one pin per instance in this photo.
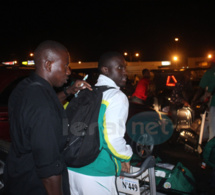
(207, 83)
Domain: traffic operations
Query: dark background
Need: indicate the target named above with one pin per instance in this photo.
(89, 28)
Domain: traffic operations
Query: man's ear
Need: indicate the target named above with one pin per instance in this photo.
(48, 65)
(104, 70)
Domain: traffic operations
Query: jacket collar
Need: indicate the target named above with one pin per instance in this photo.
(104, 80)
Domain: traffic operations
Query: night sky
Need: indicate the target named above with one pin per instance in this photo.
(89, 28)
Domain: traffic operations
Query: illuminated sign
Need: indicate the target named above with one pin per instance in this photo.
(9, 63)
(165, 63)
(29, 62)
(24, 63)
(171, 81)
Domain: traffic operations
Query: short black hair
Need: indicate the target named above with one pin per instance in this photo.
(144, 71)
(45, 46)
(106, 57)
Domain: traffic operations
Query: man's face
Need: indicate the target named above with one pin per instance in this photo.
(60, 70)
(117, 71)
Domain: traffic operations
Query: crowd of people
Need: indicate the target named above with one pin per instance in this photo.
(35, 164)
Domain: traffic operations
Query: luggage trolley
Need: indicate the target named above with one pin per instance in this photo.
(140, 181)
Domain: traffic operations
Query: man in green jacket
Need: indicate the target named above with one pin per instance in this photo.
(99, 176)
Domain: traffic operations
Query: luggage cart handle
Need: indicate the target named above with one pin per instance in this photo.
(149, 162)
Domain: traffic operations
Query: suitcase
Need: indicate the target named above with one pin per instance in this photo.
(184, 118)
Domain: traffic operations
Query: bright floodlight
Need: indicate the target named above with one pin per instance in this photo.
(175, 58)
(209, 56)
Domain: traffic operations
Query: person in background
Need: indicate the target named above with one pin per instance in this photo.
(136, 80)
(207, 85)
(151, 92)
(99, 176)
(207, 90)
(141, 92)
(34, 165)
(181, 95)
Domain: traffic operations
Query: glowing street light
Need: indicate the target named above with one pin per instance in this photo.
(210, 56)
(31, 54)
(176, 39)
(175, 58)
(136, 55)
(176, 44)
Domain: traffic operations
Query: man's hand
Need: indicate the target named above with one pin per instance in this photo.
(78, 85)
(125, 167)
(53, 185)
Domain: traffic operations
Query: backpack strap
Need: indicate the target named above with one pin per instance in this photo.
(103, 88)
(65, 119)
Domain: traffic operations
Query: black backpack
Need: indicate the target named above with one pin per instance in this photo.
(83, 143)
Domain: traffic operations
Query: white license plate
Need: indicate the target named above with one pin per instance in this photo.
(128, 185)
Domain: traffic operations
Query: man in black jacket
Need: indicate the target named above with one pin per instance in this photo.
(34, 164)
